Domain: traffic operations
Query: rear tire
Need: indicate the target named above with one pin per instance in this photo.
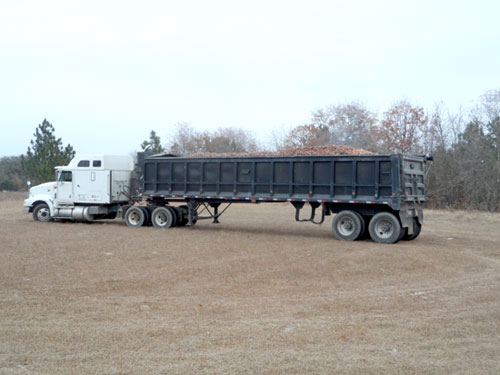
(175, 217)
(385, 228)
(135, 217)
(416, 231)
(363, 225)
(347, 225)
(182, 215)
(147, 216)
(162, 217)
(41, 213)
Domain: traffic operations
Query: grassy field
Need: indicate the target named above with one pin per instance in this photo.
(256, 294)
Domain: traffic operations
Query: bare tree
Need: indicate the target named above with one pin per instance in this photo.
(186, 140)
(350, 124)
(306, 136)
(403, 128)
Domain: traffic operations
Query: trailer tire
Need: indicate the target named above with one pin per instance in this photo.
(162, 217)
(416, 231)
(366, 234)
(347, 225)
(135, 217)
(363, 226)
(41, 212)
(385, 228)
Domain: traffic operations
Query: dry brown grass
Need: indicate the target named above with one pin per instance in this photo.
(258, 293)
(13, 195)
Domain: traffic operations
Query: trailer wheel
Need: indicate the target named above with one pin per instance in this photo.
(41, 213)
(416, 231)
(363, 225)
(135, 217)
(162, 217)
(366, 233)
(347, 225)
(385, 228)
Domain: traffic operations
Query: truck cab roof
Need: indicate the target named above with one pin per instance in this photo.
(100, 161)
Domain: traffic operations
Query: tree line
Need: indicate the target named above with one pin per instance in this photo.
(465, 145)
(36, 166)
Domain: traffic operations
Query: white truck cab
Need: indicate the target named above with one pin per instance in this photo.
(89, 187)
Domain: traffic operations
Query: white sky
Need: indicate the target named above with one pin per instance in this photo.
(105, 73)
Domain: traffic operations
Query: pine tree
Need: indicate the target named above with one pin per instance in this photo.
(154, 144)
(45, 153)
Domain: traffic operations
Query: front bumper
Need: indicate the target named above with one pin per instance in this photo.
(28, 205)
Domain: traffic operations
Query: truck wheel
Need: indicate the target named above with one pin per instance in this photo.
(162, 218)
(135, 217)
(385, 228)
(366, 233)
(175, 217)
(347, 225)
(41, 213)
(363, 225)
(147, 216)
(182, 215)
(416, 231)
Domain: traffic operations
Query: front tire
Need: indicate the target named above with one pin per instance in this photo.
(347, 225)
(41, 213)
(385, 228)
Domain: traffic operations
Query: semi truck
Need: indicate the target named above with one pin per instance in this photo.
(380, 196)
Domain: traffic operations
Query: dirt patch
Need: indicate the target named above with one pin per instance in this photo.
(258, 293)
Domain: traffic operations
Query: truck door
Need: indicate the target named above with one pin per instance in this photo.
(91, 186)
(64, 191)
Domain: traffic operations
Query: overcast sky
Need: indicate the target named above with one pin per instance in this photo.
(105, 73)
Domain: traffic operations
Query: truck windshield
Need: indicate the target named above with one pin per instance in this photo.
(65, 176)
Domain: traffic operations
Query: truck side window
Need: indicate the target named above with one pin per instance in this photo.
(84, 163)
(96, 163)
(65, 176)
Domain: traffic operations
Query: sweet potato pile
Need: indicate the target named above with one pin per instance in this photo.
(300, 151)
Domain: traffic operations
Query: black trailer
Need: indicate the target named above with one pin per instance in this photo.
(381, 194)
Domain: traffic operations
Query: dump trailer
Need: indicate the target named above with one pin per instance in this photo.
(379, 195)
